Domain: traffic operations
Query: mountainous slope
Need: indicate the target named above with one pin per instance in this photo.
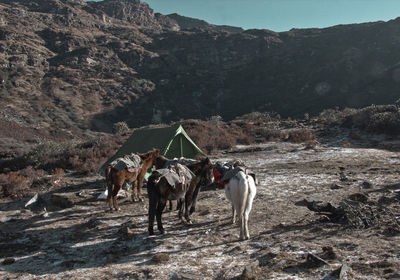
(68, 66)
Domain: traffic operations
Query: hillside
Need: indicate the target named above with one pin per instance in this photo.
(68, 68)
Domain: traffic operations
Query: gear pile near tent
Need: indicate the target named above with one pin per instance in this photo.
(171, 141)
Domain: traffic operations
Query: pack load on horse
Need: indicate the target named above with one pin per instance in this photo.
(224, 171)
(240, 189)
(129, 169)
(176, 182)
(132, 162)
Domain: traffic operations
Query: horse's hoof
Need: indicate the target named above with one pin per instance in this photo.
(190, 222)
(141, 199)
(151, 232)
(162, 231)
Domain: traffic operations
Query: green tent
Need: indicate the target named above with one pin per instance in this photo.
(172, 141)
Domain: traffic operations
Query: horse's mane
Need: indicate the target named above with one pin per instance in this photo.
(199, 164)
(161, 161)
(149, 154)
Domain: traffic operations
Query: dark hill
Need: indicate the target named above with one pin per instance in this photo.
(67, 66)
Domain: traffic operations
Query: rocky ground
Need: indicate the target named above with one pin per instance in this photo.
(69, 234)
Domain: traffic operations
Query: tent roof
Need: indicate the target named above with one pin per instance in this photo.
(164, 139)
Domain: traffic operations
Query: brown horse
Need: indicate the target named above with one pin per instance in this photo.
(116, 178)
(160, 191)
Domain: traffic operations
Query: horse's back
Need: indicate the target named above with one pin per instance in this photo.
(240, 186)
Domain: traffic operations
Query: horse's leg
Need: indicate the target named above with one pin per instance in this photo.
(160, 207)
(139, 183)
(233, 214)
(134, 188)
(187, 205)
(247, 210)
(194, 200)
(179, 207)
(114, 196)
(170, 205)
(242, 228)
(109, 195)
(153, 201)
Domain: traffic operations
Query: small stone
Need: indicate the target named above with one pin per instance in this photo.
(126, 232)
(328, 253)
(190, 276)
(249, 272)
(314, 261)
(359, 197)
(366, 185)
(336, 187)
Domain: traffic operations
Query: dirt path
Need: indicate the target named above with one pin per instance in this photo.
(86, 242)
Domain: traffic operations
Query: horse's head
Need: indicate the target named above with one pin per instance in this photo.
(160, 162)
(154, 154)
(206, 173)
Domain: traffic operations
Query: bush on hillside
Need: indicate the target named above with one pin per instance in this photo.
(121, 128)
(83, 157)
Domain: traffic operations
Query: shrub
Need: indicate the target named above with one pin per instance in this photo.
(13, 185)
(386, 122)
(300, 135)
(120, 128)
(270, 134)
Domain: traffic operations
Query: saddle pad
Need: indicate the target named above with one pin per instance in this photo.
(171, 177)
(128, 161)
(182, 171)
(231, 173)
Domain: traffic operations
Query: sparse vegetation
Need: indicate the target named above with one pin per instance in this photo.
(374, 119)
(121, 128)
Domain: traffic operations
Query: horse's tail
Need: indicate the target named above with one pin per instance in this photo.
(251, 192)
(107, 173)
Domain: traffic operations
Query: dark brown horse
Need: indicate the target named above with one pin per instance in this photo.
(160, 191)
(116, 178)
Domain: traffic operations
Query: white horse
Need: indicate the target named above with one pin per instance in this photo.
(240, 191)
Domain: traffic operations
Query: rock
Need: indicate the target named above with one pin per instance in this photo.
(8, 261)
(359, 197)
(340, 273)
(344, 271)
(33, 200)
(336, 187)
(343, 177)
(249, 272)
(126, 232)
(314, 261)
(328, 253)
(189, 276)
(264, 260)
(93, 223)
(366, 185)
(160, 258)
(62, 200)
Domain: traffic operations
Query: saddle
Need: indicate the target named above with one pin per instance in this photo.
(228, 170)
(176, 174)
(131, 162)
